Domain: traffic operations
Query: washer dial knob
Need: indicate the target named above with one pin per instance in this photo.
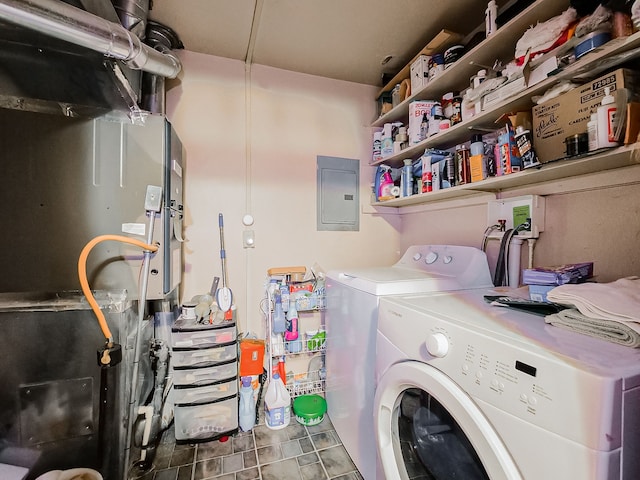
(437, 344)
(430, 258)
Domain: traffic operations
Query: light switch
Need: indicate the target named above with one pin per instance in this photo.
(248, 239)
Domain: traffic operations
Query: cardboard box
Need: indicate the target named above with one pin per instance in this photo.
(568, 114)
(417, 109)
(558, 274)
(419, 73)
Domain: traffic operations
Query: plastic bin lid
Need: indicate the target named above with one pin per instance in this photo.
(309, 406)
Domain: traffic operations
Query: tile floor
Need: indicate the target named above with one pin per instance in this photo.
(294, 452)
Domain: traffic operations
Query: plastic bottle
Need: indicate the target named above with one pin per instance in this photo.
(525, 147)
(386, 148)
(377, 146)
(490, 18)
(247, 408)
(292, 320)
(279, 321)
(592, 132)
(277, 404)
(407, 178)
(477, 145)
(385, 184)
(606, 120)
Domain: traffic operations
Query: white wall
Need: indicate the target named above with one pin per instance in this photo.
(251, 140)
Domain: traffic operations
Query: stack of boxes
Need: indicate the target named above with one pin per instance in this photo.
(542, 279)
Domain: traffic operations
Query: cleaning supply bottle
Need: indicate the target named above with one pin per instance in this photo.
(386, 183)
(607, 121)
(407, 178)
(490, 18)
(386, 147)
(292, 320)
(279, 322)
(277, 404)
(247, 407)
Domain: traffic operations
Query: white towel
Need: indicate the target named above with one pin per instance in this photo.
(624, 333)
(618, 301)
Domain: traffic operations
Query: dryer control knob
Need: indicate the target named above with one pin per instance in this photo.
(430, 258)
(437, 344)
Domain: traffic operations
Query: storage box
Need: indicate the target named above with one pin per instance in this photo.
(251, 357)
(205, 376)
(416, 111)
(569, 113)
(538, 293)
(558, 275)
(419, 73)
(198, 395)
(205, 357)
(206, 422)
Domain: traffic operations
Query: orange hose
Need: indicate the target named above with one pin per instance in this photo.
(84, 282)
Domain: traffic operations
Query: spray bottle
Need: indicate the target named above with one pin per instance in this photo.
(386, 183)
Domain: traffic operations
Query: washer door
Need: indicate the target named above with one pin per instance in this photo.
(427, 427)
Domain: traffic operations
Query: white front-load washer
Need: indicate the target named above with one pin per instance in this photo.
(351, 324)
(475, 391)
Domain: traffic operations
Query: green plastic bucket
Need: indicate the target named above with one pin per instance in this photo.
(309, 409)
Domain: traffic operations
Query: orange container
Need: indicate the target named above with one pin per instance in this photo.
(251, 357)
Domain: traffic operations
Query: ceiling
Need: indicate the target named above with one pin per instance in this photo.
(339, 39)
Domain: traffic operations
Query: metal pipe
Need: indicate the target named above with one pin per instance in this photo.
(71, 24)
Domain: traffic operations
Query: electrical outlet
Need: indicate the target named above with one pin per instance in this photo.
(517, 211)
(248, 239)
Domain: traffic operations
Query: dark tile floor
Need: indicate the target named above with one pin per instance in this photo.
(292, 453)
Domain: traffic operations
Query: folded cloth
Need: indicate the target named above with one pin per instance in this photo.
(624, 333)
(619, 300)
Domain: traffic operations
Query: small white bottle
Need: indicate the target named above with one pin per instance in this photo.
(607, 120)
(407, 178)
(490, 18)
(592, 132)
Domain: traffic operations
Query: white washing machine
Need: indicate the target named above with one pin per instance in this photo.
(351, 323)
(473, 391)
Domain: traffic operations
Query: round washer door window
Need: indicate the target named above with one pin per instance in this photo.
(427, 427)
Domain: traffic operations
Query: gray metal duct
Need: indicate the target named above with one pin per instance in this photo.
(71, 24)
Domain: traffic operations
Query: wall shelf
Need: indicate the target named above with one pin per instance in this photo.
(501, 45)
(598, 161)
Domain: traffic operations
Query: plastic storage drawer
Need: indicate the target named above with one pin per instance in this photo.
(206, 375)
(206, 394)
(203, 338)
(205, 357)
(206, 422)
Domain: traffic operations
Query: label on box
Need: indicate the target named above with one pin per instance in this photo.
(417, 109)
(419, 73)
(568, 114)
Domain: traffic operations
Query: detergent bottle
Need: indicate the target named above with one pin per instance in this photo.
(277, 404)
(247, 412)
(292, 320)
(279, 323)
(386, 183)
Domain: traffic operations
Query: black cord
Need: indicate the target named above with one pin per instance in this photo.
(498, 276)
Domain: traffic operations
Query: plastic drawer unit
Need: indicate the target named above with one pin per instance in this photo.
(185, 377)
(206, 422)
(210, 393)
(205, 357)
(203, 338)
(205, 380)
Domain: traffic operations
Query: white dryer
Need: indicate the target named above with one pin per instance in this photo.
(351, 323)
(474, 391)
